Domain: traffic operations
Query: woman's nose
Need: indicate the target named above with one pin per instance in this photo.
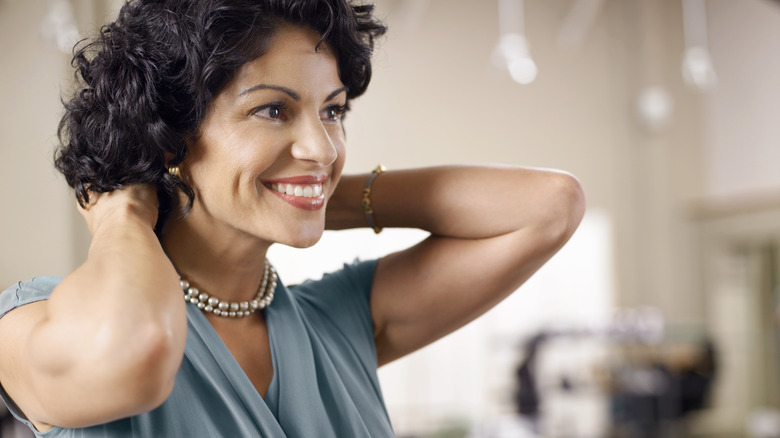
(313, 143)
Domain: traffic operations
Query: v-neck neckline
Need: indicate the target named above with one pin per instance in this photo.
(240, 381)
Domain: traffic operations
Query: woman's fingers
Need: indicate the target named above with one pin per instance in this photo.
(139, 200)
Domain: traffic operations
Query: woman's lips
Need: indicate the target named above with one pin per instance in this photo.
(304, 192)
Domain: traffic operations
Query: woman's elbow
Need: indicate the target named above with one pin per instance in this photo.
(567, 201)
(157, 368)
(115, 377)
(145, 369)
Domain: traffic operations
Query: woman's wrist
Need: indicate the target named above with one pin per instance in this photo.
(368, 208)
(345, 207)
(134, 205)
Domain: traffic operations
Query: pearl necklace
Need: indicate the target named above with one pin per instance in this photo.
(207, 303)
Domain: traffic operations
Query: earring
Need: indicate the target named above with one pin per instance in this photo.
(174, 171)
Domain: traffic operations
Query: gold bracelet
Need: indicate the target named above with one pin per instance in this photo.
(367, 209)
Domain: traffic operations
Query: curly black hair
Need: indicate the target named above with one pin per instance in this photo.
(146, 82)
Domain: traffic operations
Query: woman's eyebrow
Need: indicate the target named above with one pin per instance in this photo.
(290, 92)
(285, 90)
(336, 93)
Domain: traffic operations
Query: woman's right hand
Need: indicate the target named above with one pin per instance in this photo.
(139, 200)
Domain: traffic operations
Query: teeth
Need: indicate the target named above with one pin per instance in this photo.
(306, 191)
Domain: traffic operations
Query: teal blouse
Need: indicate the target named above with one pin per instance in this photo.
(324, 384)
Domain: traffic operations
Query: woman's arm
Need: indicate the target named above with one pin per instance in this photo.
(108, 342)
(491, 228)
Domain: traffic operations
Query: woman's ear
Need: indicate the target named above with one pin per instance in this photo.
(172, 165)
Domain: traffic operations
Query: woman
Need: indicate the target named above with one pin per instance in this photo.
(205, 132)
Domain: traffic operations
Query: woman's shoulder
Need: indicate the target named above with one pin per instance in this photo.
(341, 297)
(355, 276)
(25, 292)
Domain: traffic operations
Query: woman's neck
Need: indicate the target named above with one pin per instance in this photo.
(226, 265)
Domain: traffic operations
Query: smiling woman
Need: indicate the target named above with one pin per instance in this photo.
(277, 123)
(204, 133)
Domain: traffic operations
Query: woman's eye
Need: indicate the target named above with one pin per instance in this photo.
(334, 113)
(274, 111)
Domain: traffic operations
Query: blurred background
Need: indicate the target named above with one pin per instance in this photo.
(658, 319)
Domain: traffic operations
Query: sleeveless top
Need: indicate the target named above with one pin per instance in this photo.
(324, 358)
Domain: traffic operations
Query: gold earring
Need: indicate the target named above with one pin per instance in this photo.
(174, 171)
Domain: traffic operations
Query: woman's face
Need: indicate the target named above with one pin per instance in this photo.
(271, 147)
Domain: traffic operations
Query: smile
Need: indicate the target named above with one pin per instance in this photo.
(299, 190)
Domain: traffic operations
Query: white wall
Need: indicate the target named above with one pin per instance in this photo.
(35, 228)
(437, 98)
(742, 187)
(743, 113)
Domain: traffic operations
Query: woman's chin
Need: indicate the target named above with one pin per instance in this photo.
(303, 239)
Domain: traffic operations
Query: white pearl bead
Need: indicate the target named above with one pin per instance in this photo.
(265, 294)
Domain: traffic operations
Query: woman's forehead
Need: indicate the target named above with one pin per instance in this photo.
(294, 56)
